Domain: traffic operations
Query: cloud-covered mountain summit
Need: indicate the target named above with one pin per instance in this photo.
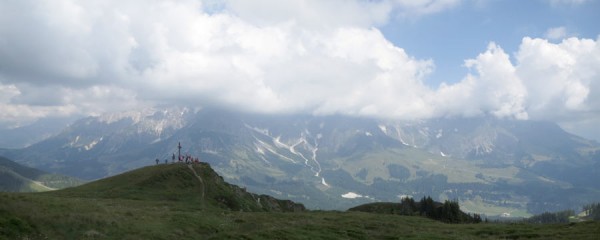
(70, 58)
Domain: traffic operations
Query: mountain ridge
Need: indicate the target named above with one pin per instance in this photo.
(320, 159)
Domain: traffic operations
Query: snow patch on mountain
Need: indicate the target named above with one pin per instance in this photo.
(403, 142)
(74, 142)
(302, 140)
(279, 144)
(263, 131)
(324, 183)
(269, 148)
(291, 146)
(259, 150)
(397, 131)
(383, 129)
(314, 157)
(92, 144)
(351, 195)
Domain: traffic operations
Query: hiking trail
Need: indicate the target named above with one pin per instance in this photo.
(199, 178)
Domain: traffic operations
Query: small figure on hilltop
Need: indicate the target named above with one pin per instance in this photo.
(157, 161)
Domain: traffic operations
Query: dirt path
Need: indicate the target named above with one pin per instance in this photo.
(199, 178)
(44, 186)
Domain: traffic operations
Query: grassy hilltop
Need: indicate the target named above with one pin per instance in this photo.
(178, 202)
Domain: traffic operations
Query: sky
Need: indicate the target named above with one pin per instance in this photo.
(392, 59)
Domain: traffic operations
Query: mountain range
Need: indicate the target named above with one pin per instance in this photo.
(493, 166)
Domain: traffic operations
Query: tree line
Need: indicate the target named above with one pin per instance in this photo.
(591, 212)
(448, 212)
(551, 217)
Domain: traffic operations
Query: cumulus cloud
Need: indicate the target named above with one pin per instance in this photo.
(173, 51)
(562, 77)
(550, 81)
(89, 57)
(495, 89)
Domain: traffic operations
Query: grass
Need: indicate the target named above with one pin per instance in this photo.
(135, 209)
(460, 171)
(478, 206)
(79, 218)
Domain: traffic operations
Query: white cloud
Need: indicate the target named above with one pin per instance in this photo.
(312, 13)
(171, 51)
(333, 13)
(556, 33)
(560, 78)
(88, 57)
(14, 114)
(495, 89)
(549, 81)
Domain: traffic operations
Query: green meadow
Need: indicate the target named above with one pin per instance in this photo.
(173, 202)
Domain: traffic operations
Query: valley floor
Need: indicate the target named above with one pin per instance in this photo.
(46, 216)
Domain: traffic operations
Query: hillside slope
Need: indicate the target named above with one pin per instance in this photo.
(18, 178)
(195, 184)
(179, 201)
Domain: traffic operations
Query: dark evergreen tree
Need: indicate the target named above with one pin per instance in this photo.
(450, 212)
(408, 206)
(477, 218)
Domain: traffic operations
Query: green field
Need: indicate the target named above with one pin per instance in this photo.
(169, 202)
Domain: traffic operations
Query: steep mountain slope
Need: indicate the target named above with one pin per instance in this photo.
(17, 178)
(491, 165)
